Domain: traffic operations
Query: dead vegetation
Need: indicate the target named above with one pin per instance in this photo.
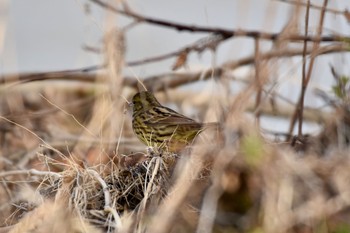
(69, 161)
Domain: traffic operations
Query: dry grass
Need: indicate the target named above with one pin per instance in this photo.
(242, 182)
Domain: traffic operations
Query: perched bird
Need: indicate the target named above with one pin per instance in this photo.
(162, 127)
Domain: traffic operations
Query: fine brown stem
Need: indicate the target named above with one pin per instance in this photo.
(226, 33)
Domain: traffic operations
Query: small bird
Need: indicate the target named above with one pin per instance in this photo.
(158, 126)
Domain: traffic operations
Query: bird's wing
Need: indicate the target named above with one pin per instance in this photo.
(163, 115)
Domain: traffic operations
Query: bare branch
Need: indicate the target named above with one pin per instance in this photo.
(226, 33)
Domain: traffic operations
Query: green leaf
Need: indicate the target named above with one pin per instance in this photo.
(338, 92)
(252, 147)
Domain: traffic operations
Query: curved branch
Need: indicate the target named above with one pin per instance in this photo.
(226, 33)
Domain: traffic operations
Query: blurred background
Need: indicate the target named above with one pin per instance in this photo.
(38, 35)
(43, 36)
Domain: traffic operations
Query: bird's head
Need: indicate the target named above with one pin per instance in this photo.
(144, 100)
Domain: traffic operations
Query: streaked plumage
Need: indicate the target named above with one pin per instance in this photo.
(156, 125)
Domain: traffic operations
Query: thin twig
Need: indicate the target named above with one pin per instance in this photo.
(310, 5)
(149, 185)
(226, 33)
(258, 83)
(299, 108)
(69, 114)
(30, 172)
(35, 135)
(208, 42)
(107, 198)
(303, 82)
